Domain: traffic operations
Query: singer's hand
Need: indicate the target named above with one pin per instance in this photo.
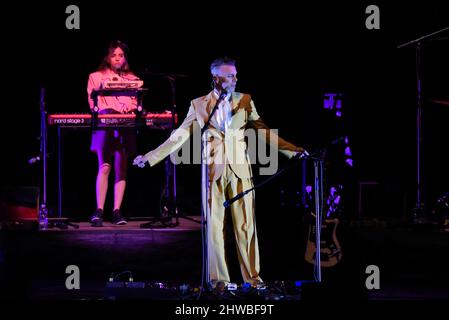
(301, 154)
(140, 161)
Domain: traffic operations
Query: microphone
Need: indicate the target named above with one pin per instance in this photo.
(34, 160)
(223, 94)
(227, 203)
(300, 155)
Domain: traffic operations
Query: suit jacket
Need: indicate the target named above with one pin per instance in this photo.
(222, 148)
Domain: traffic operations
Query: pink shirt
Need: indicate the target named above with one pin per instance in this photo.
(96, 79)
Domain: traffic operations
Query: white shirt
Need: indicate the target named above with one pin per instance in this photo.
(222, 117)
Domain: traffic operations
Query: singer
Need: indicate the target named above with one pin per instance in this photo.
(109, 144)
(223, 176)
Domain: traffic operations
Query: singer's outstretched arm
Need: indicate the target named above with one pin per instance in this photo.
(173, 143)
(271, 138)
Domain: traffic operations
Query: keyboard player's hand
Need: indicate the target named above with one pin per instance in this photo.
(126, 109)
(140, 161)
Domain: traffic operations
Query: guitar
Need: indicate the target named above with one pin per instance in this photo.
(330, 249)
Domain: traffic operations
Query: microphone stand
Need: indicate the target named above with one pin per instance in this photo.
(318, 188)
(171, 210)
(43, 210)
(205, 195)
(317, 158)
(419, 211)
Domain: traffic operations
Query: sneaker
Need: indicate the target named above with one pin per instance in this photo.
(117, 218)
(97, 218)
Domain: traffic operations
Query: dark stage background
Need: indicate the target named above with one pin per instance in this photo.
(288, 56)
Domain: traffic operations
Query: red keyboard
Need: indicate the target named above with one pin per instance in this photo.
(152, 120)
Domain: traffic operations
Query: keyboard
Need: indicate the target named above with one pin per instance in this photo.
(151, 120)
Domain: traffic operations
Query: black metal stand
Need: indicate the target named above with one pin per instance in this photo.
(44, 221)
(205, 214)
(319, 201)
(43, 210)
(60, 222)
(419, 211)
(168, 208)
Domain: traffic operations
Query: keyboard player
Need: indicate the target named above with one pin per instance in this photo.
(113, 147)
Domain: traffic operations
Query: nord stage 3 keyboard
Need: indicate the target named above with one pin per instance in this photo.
(151, 120)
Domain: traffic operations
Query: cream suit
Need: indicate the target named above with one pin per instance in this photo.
(226, 172)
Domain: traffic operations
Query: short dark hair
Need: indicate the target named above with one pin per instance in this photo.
(224, 61)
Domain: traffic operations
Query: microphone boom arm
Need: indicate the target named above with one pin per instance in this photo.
(314, 156)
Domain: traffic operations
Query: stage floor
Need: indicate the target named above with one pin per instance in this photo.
(189, 223)
(164, 259)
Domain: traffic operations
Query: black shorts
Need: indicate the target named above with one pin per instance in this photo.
(107, 142)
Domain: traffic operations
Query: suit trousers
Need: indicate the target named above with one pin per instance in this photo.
(244, 227)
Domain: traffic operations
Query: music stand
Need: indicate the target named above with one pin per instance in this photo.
(419, 211)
